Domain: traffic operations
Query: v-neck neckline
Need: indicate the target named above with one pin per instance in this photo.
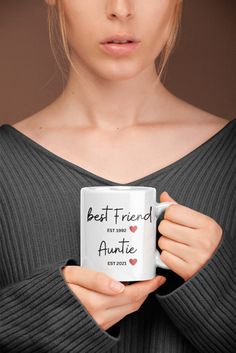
(152, 175)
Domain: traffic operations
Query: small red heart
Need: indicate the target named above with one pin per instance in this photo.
(133, 261)
(133, 228)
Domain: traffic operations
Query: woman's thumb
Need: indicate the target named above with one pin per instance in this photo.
(166, 197)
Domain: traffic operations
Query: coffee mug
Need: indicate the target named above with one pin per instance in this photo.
(118, 231)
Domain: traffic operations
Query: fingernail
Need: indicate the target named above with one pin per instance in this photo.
(116, 286)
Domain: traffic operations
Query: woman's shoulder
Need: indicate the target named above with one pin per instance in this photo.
(200, 124)
(196, 117)
(210, 124)
(194, 125)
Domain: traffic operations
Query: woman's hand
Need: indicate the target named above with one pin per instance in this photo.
(188, 240)
(105, 305)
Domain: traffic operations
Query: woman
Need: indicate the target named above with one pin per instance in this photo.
(116, 123)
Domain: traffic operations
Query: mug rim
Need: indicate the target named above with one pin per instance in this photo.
(119, 188)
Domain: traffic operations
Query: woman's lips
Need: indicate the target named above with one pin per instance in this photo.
(119, 49)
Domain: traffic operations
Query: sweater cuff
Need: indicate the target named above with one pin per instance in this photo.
(198, 304)
(91, 335)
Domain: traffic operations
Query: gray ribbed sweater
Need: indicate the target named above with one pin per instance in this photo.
(40, 232)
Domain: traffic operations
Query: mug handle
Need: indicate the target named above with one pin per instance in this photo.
(159, 209)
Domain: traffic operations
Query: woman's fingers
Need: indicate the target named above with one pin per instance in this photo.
(185, 216)
(93, 290)
(96, 281)
(101, 283)
(183, 251)
(176, 232)
(182, 268)
(132, 293)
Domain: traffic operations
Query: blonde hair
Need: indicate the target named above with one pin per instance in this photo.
(60, 48)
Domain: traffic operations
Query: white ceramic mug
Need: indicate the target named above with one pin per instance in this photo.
(118, 231)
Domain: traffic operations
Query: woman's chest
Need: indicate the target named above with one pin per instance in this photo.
(40, 221)
(125, 156)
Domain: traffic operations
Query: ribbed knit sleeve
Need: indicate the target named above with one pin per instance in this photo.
(41, 314)
(204, 307)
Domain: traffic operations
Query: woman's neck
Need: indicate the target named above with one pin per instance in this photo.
(113, 105)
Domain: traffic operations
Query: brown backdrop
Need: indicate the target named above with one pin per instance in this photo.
(201, 69)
